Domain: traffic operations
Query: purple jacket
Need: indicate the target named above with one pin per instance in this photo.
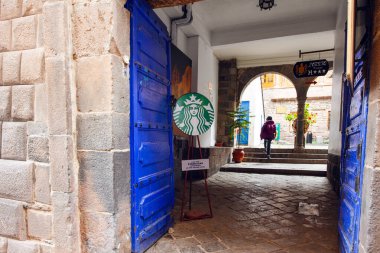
(268, 131)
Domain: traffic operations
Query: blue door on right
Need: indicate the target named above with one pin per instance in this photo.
(353, 147)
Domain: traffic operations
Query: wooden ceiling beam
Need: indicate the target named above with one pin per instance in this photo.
(169, 3)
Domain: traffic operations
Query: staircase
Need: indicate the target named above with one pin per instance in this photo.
(306, 156)
(308, 162)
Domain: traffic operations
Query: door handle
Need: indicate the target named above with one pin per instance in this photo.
(357, 184)
(359, 152)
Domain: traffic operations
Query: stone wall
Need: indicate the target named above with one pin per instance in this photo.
(370, 211)
(64, 113)
(278, 106)
(218, 156)
(38, 192)
(101, 50)
(333, 171)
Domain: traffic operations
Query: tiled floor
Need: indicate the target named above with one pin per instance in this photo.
(258, 214)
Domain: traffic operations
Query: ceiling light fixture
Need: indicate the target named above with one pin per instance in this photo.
(266, 4)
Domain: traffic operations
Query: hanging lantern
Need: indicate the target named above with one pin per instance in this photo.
(266, 4)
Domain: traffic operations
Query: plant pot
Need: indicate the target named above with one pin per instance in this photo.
(219, 144)
(238, 155)
(305, 126)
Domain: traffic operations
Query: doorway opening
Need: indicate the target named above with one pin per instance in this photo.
(263, 206)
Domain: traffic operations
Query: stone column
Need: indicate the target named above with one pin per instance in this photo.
(299, 143)
(226, 98)
(301, 100)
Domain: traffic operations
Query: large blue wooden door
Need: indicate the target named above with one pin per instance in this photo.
(152, 181)
(353, 148)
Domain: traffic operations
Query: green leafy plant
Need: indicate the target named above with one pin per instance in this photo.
(239, 122)
(310, 118)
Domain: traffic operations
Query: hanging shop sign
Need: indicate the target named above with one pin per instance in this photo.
(311, 68)
(193, 114)
(199, 164)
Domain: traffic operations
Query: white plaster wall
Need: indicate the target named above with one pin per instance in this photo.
(205, 79)
(253, 94)
(205, 67)
(181, 37)
(335, 134)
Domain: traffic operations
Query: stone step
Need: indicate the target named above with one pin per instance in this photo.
(286, 155)
(287, 150)
(286, 160)
(277, 169)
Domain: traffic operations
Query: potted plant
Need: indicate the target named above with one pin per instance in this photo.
(240, 121)
(309, 119)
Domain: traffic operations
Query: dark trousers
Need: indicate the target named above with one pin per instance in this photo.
(267, 143)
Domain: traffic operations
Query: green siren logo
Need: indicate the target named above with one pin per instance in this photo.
(193, 114)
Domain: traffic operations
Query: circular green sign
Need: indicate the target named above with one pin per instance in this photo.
(193, 114)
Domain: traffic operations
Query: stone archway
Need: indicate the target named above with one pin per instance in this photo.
(245, 75)
(232, 82)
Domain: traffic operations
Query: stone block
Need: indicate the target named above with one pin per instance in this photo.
(5, 103)
(10, 9)
(102, 85)
(120, 42)
(120, 133)
(65, 223)
(24, 33)
(122, 175)
(40, 31)
(37, 128)
(58, 119)
(42, 184)
(32, 66)
(39, 224)
(12, 220)
(94, 86)
(99, 232)
(3, 245)
(16, 180)
(120, 100)
(30, 7)
(96, 181)
(5, 35)
(11, 67)
(55, 28)
(103, 131)
(1, 69)
(23, 102)
(92, 25)
(46, 248)
(61, 157)
(40, 103)
(22, 247)
(14, 141)
(95, 131)
(38, 149)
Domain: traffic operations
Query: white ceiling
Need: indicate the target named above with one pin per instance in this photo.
(219, 15)
(239, 29)
(279, 47)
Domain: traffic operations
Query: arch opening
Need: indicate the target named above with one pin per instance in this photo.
(269, 94)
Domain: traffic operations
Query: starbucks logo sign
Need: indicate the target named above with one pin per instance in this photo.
(193, 114)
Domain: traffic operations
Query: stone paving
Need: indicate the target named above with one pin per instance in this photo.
(257, 214)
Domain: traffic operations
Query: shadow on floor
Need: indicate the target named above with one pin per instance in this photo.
(257, 214)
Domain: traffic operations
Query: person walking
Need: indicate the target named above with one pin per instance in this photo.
(268, 133)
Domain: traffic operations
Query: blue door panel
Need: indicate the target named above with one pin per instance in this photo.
(152, 182)
(353, 153)
(151, 45)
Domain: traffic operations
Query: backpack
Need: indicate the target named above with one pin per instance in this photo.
(271, 128)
